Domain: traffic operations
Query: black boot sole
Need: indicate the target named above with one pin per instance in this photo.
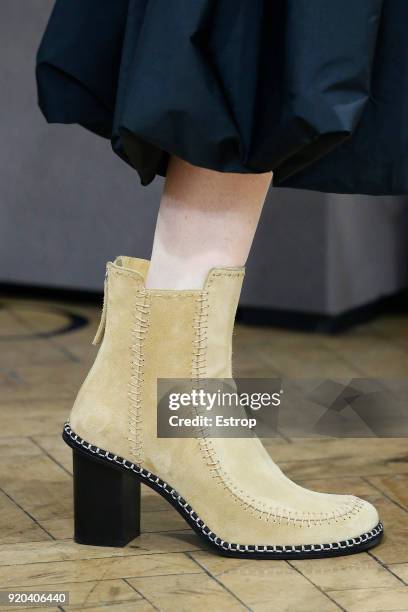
(107, 509)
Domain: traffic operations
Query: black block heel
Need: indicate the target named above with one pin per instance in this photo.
(106, 503)
(107, 509)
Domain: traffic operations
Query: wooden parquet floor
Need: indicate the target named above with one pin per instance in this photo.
(167, 568)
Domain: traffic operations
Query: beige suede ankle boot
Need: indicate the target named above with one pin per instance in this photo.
(228, 490)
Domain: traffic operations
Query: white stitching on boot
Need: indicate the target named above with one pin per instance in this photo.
(247, 502)
(247, 548)
(141, 326)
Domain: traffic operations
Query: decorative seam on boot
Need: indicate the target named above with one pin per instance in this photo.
(141, 319)
(204, 529)
(252, 505)
(200, 325)
(277, 514)
(199, 371)
(130, 274)
(224, 273)
(199, 354)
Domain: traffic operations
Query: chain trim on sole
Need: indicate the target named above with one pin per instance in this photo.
(352, 545)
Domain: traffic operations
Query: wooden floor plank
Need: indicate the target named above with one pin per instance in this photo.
(167, 568)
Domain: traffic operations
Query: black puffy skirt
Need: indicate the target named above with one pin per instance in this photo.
(315, 90)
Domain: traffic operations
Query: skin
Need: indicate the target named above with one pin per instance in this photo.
(206, 219)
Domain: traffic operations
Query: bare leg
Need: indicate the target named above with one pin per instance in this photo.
(206, 219)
